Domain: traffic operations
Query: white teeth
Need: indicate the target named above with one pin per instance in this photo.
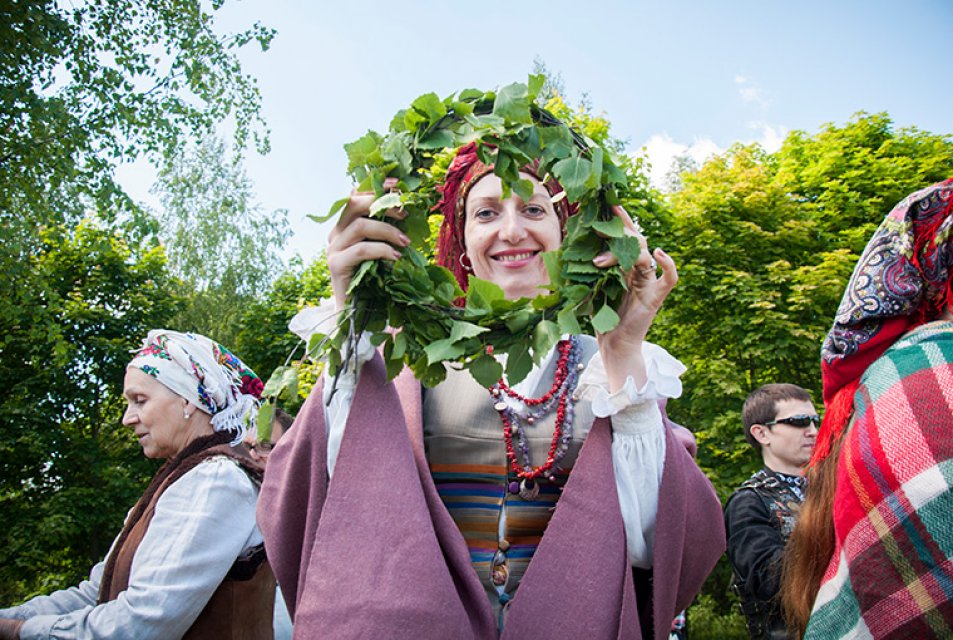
(515, 257)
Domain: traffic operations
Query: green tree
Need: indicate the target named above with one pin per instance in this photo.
(221, 244)
(765, 244)
(738, 239)
(264, 339)
(68, 470)
(851, 176)
(87, 86)
(84, 87)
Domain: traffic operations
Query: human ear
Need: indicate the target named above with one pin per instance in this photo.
(760, 433)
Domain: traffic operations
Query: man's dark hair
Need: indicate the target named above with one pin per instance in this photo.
(762, 405)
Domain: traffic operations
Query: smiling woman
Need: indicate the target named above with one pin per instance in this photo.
(505, 239)
(537, 504)
(402, 177)
(189, 549)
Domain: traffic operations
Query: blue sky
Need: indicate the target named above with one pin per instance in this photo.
(673, 76)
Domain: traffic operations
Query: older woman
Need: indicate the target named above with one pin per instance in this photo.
(558, 507)
(871, 556)
(189, 561)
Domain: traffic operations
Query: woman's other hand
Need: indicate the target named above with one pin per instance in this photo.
(621, 348)
(356, 238)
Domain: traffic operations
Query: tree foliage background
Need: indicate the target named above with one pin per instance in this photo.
(764, 242)
(83, 276)
(222, 246)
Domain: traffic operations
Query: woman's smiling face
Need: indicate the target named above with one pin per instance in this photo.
(505, 238)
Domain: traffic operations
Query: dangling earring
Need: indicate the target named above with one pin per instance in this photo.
(465, 262)
(186, 414)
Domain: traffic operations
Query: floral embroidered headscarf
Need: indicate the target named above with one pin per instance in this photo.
(902, 280)
(206, 374)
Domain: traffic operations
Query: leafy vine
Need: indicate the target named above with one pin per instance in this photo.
(416, 298)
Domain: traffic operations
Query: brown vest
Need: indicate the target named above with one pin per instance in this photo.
(242, 606)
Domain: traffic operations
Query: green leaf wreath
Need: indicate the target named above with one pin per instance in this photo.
(408, 306)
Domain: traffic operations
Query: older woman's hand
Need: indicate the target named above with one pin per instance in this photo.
(356, 238)
(10, 629)
(621, 348)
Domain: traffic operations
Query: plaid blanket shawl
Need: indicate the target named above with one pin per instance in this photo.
(891, 575)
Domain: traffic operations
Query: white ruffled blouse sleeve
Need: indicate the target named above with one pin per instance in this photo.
(638, 440)
(338, 399)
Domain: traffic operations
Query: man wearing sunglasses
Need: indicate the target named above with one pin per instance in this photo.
(781, 425)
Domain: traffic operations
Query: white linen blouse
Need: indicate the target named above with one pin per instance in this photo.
(203, 522)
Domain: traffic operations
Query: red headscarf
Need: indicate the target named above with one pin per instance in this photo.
(902, 280)
(465, 170)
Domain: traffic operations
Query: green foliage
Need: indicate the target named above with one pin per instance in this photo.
(216, 236)
(84, 87)
(221, 244)
(419, 297)
(580, 118)
(68, 470)
(707, 621)
(851, 176)
(263, 339)
(764, 245)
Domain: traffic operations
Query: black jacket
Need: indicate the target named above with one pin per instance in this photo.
(759, 518)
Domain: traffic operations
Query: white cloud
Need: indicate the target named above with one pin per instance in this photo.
(750, 92)
(770, 137)
(661, 149)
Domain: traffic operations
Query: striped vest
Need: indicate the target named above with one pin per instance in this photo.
(463, 436)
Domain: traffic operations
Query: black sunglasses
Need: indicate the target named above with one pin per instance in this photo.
(800, 421)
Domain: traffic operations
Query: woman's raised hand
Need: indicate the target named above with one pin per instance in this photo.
(621, 348)
(356, 238)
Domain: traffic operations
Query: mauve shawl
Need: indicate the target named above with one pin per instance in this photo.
(375, 553)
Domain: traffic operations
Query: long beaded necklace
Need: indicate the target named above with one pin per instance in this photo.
(560, 395)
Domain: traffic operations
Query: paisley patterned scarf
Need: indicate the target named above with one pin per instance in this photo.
(901, 281)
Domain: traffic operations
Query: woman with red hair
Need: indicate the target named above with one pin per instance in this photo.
(872, 553)
(562, 506)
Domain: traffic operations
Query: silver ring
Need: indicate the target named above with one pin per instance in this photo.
(653, 266)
